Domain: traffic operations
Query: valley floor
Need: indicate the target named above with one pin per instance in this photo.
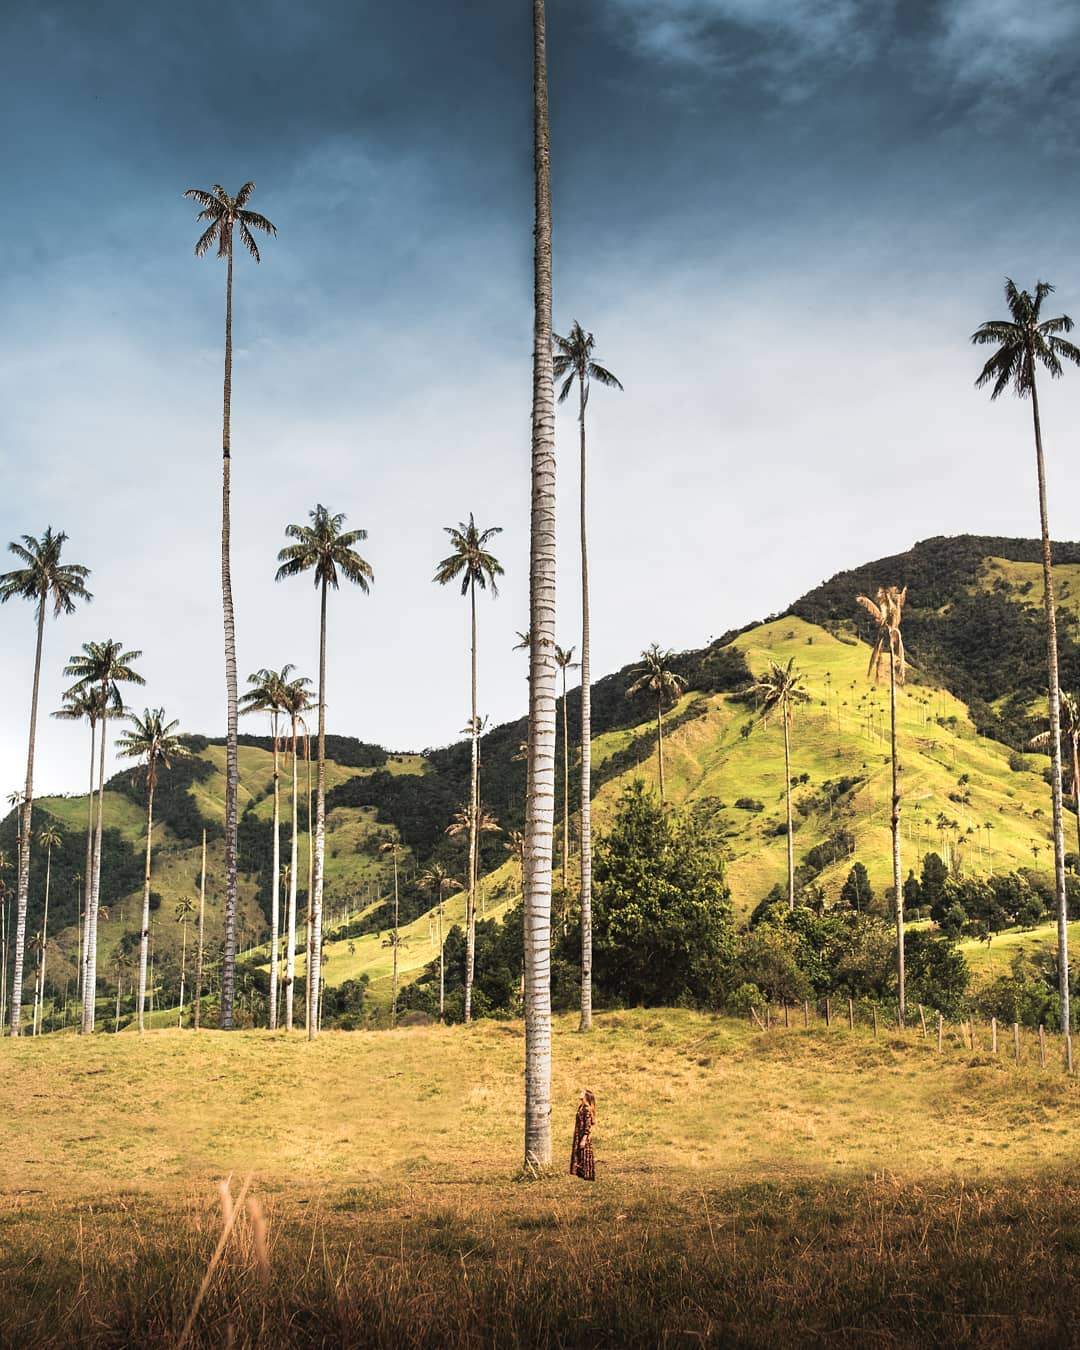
(789, 1187)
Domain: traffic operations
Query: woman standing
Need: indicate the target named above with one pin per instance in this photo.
(582, 1161)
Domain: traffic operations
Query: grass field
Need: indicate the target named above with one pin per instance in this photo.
(789, 1187)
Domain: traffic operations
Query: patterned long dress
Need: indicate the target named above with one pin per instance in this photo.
(582, 1161)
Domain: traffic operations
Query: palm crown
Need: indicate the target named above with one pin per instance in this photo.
(1023, 342)
(152, 739)
(1070, 723)
(655, 674)
(573, 361)
(436, 878)
(323, 546)
(49, 837)
(564, 658)
(781, 687)
(87, 702)
(224, 214)
(104, 666)
(268, 693)
(887, 611)
(44, 577)
(470, 559)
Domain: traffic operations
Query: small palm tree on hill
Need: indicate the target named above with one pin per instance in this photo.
(564, 659)
(49, 839)
(394, 849)
(1025, 343)
(437, 880)
(780, 689)
(328, 551)
(656, 676)
(295, 700)
(183, 912)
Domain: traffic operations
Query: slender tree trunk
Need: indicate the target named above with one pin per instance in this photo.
(660, 743)
(183, 972)
(275, 915)
(228, 964)
(540, 801)
(144, 936)
(315, 940)
(116, 1019)
(442, 964)
(22, 894)
(3, 963)
(310, 886)
(565, 802)
(898, 890)
(89, 865)
(787, 797)
(93, 899)
(586, 741)
(44, 942)
(394, 978)
(1055, 720)
(290, 953)
(1076, 791)
(199, 950)
(474, 822)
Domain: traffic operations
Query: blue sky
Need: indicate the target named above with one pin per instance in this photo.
(781, 219)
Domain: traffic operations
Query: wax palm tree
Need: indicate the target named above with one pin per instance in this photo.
(328, 551)
(574, 363)
(48, 839)
(473, 564)
(184, 910)
(267, 695)
(564, 659)
(656, 676)
(199, 947)
(887, 612)
(1025, 341)
(44, 580)
(153, 739)
(224, 215)
(394, 849)
(102, 667)
(1070, 733)
(295, 700)
(436, 879)
(780, 689)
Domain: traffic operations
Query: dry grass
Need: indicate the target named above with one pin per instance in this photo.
(792, 1188)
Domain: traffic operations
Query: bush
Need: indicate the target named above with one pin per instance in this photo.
(749, 804)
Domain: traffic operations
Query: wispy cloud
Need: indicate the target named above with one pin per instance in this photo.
(1001, 44)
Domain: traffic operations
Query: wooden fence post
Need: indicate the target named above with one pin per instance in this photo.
(755, 1017)
(806, 1013)
(768, 1016)
(851, 1014)
(828, 1014)
(875, 1021)
(1016, 1041)
(787, 1019)
(971, 1033)
(1042, 1046)
(993, 1035)
(922, 1020)
(940, 1031)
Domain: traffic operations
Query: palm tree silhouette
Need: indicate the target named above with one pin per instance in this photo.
(657, 677)
(44, 580)
(184, 910)
(324, 548)
(224, 215)
(153, 739)
(1025, 341)
(438, 880)
(574, 362)
(473, 564)
(779, 690)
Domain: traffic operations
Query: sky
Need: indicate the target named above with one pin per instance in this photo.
(782, 219)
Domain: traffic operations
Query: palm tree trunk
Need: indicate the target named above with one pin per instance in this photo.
(394, 978)
(22, 894)
(275, 916)
(586, 744)
(310, 885)
(565, 803)
(89, 865)
(1055, 720)
(660, 743)
(4, 966)
(199, 951)
(93, 898)
(442, 964)
(183, 972)
(315, 939)
(540, 800)
(474, 821)
(144, 936)
(44, 944)
(290, 953)
(228, 964)
(1076, 792)
(787, 796)
(898, 890)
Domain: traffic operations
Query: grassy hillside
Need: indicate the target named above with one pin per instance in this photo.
(747, 1181)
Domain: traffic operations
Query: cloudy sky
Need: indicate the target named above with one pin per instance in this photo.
(781, 218)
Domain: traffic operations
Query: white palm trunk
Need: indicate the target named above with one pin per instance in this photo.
(290, 951)
(22, 893)
(474, 823)
(144, 934)
(39, 1000)
(199, 947)
(586, 745)
(275, 913)
(93, 894)
(315, 939)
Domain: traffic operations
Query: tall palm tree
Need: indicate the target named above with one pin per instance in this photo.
(393, 847)
(324, 548)
(48, 839)
(779, 690)
(656, 676)
(564, 659)
(1070, 732)
(184, 910)
(267, 695)
(887, 612)
(199, 940)
(1024, 342)
(540, 792)
(44, 580)
(436, 879)
(295, 700)
(224, 214)
(574, 361)
(100, 666)
(153, 739)
(473, 564)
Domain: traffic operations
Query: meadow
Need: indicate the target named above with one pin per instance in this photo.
(784, 1187)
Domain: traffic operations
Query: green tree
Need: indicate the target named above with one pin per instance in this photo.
(153, 739)
(656, 676)
(1025, 341)
(473, 564)
(856, 892)
(328, 551)
(223, 215)
(574, 361)
(779, 690)
(44, 580)
(932, 884)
